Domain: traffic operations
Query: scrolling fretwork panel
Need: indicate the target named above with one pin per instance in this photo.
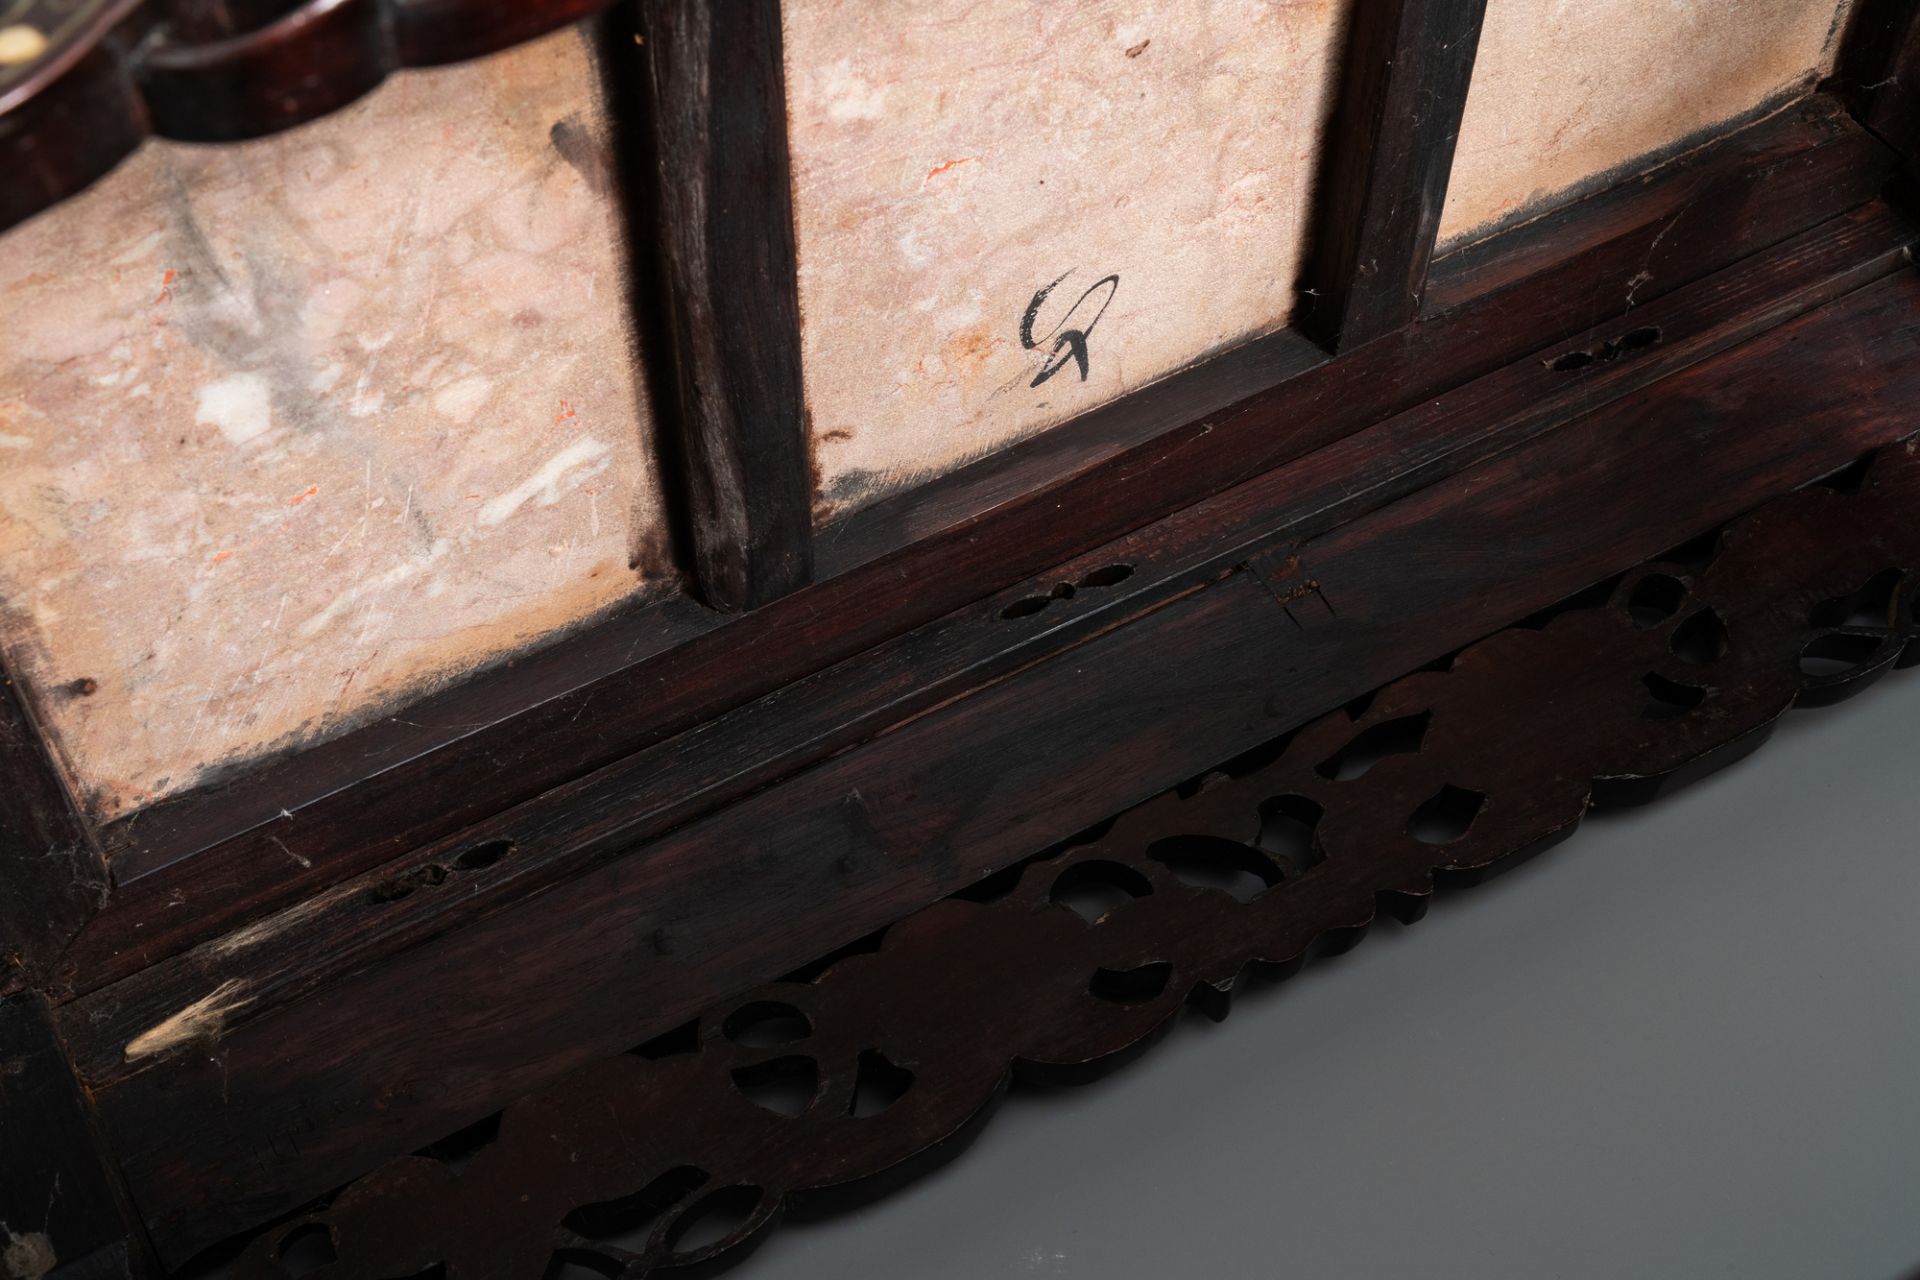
(825, 1087)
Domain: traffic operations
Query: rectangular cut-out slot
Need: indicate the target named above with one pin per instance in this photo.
(1570, 94)
(295, 428)
(1011, 213)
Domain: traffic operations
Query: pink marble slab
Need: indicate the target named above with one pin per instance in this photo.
(294, 429)
(974, 182)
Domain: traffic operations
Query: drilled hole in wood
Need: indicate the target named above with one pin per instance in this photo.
(785, 1086)
(1131, 986)
(1287, 831)
(629, 1220)
(1447, 815)
(1837, 653)
(1613, 349)
(1093, 889)
(485, 855)
(881, 1083)
(1570, 361)
(1669, 699)
(1026, 608)
(1062, 591)
(713, 1222)
(1640, 339)
(1211, 862)
(766, 1023)
(1111, 576)
(1701, 639)
(306, 1249)
(1655, 598)
(1389, 738)
(403, 885)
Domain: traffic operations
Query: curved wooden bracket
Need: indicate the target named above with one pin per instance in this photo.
(82, 85)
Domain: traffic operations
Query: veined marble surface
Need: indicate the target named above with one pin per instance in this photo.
(293, 427)
(1150, 160)
(1566, 91)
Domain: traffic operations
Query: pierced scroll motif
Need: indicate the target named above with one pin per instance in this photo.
(870, 1065)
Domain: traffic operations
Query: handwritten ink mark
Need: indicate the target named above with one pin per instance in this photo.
(1068, 344)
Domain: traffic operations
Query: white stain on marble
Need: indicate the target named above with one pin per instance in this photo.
(241, 406)
(559, 475)
(299, 427)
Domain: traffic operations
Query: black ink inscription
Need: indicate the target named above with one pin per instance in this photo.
(1068, 344)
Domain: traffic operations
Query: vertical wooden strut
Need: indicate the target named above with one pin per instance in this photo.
(724, 227)
(1878, 72)
(63, 1212)
(1389, 154)
(52, 876)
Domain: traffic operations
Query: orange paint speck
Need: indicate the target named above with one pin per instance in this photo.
(297, 499)
(166, 286)
(224, 555)
(566, 411)
(937, 170)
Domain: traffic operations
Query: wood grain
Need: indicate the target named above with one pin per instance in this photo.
(594, 965)
(658, 671)
(725, 235)
(1385, 171)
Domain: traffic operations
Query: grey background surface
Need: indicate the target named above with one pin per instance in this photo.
(1683, 1044)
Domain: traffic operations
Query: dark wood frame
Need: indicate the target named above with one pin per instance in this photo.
(621, 779)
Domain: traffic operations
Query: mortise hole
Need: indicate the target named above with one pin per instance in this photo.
(306, 1249)
(1111, 576)
(1838, 653)
(1131, 986)
(1093, 890)
(1026, 608)
(1447, 815)
(1210, 862)
(403, 885)
(684, 1038)
(880, 1083)
(457, 1150)
(766, 1023)
(784, 1086)
(1655, 598)
(485, 855)
(1286, 832)
(629, 1220)
(1389, 738)
(1701, 639)
(1640, 339)
(713, 1221)
(1669, 699)
(1570, 361)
